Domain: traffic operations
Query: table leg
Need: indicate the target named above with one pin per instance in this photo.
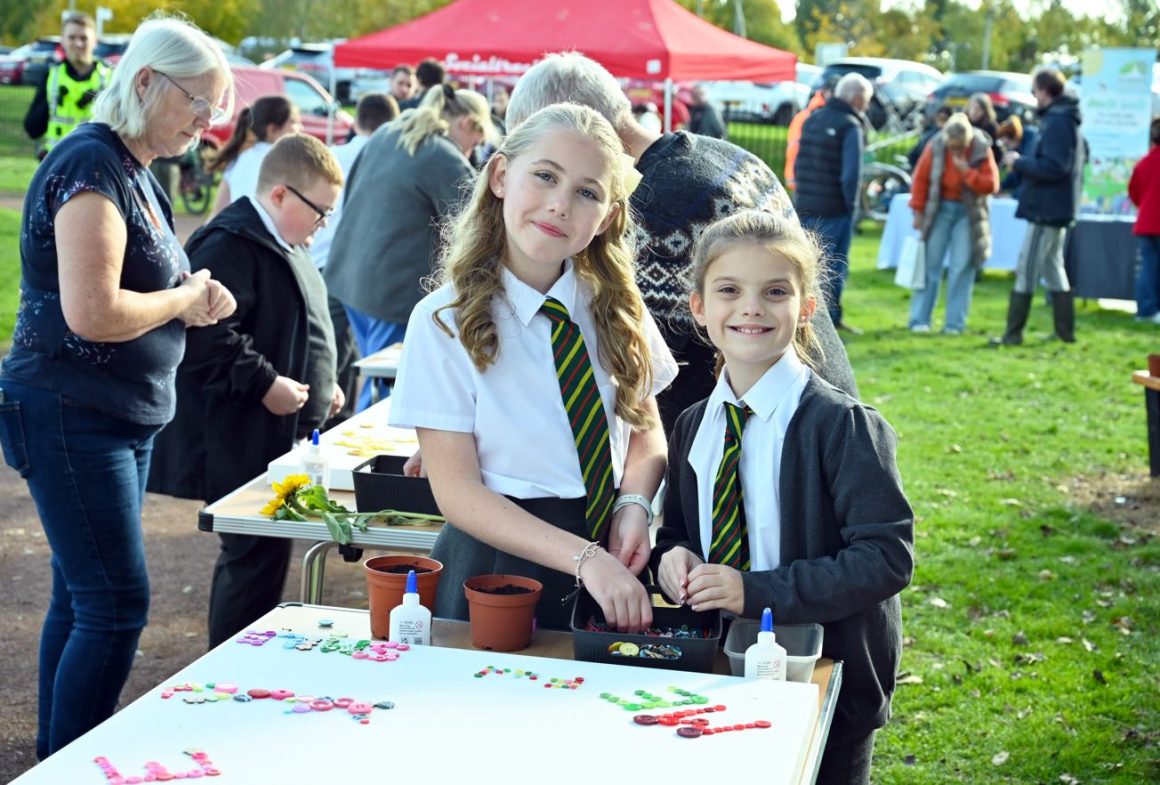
(1152, 404)
(314, 571)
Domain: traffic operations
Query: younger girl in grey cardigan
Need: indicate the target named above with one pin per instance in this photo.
(783, 491)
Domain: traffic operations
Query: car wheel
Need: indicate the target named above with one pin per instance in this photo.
(783, 115)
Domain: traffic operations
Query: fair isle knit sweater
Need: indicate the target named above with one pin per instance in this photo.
(688, 182)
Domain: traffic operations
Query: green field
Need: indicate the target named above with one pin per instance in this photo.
(1032, 623)
(14, 102)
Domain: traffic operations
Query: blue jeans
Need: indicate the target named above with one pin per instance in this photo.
(86, 472)
(371, 335)
(951, 230)
(1148, 280)
(834, 234)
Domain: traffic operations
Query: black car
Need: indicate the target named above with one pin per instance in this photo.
(1010, 93)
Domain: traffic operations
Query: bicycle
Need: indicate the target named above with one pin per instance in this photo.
(196, 184)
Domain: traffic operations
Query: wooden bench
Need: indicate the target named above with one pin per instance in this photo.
(1152, 405)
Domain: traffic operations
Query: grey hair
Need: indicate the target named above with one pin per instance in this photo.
(168, 44)
(853, 85)
(568, 77)
(958, 127)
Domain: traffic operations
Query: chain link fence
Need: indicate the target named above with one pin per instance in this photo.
(14, 103)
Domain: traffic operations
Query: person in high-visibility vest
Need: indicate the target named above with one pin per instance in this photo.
(65, 100)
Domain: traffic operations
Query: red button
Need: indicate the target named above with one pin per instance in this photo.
(763, 723)
(689, 731)
(258, 692)
(645, 719)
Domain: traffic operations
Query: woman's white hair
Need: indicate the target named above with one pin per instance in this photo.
(568, 77)
(168, 44)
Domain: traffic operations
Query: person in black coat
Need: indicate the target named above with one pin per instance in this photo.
(1051, 183)
(253, 384)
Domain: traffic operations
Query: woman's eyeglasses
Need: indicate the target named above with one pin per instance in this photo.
(322, 214)
(199, 105)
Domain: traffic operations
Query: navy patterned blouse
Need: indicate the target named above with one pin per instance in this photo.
(131, 380)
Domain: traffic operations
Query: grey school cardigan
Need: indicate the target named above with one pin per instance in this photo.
(847, 537)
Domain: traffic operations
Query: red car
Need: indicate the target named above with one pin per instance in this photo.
(313, 102)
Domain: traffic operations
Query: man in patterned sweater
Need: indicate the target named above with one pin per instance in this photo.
(687, 182)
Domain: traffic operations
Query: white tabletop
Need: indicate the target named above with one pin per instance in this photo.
(446, 725)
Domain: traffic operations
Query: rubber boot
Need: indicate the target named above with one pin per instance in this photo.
(1018, 308)
(1063, 309)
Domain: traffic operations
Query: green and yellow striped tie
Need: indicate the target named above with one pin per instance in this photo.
(730, 544)
(585, 414)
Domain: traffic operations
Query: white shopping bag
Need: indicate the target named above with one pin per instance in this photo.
(911, 272)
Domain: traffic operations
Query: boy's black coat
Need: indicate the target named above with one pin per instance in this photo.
(222, 436)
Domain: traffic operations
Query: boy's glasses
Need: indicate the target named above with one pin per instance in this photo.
(199, 105)
(322, 214)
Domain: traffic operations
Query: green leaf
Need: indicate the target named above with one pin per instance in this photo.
(339, 529)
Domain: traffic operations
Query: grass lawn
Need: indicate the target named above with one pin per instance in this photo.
(1032, 618)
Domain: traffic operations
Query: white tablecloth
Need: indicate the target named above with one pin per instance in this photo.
(1006, 233)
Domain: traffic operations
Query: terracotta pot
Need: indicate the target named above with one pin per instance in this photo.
(385, 589)
(501, 622)
(1154, 365)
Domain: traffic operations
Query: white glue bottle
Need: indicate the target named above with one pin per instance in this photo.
(411, 622)
(314, 463)
(765, 659)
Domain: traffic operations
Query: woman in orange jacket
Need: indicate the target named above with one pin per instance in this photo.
(951, 199)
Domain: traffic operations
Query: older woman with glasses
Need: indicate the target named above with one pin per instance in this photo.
(105, 299)
(406, 180)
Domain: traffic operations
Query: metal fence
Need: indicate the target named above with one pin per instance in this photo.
(14, 103)
(768, 142)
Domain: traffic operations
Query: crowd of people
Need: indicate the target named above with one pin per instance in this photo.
(589, 305)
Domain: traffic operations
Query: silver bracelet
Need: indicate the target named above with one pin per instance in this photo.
(583, 556)
(634, 498)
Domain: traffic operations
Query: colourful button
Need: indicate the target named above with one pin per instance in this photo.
(258, 692)
(689, 732)
(645, 719)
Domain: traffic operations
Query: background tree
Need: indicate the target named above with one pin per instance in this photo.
(762, 21)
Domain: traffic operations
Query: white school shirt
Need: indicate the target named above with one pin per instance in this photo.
(773, 400)
(514, 409)
(242, 174)
(268, 222)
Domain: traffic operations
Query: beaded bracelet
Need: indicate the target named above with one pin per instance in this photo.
(584, 555)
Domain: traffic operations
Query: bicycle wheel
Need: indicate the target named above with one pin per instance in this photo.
(881, 183)
(197, 184)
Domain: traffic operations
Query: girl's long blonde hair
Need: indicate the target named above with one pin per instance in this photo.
(440, 104)
(776, 234)
(476, 245)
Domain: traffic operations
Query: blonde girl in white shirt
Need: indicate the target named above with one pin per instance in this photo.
(547, 220)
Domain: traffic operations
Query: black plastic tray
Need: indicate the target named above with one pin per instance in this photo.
(692, 654)
(379, 484)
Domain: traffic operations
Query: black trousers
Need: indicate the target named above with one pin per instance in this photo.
(846, 761)
(248, 580)
(695, 380)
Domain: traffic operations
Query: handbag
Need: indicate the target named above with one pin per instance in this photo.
(911, 272)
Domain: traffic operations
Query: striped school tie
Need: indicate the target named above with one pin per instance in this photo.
(585, 414)
(730, 544)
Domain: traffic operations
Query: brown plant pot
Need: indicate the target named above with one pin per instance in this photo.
(501, 622)
(385, 589)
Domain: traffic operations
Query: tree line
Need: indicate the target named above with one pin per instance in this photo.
(945, 33)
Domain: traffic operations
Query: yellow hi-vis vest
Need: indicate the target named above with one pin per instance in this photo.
(64, 93)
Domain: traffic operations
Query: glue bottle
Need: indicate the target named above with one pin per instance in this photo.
(765, 659)
(411, 622)
(315, 464)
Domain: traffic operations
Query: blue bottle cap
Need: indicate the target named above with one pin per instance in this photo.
(314, 437)
(767, 620)
(412, 583)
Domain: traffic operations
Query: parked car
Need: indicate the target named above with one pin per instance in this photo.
(313, 101)
(42, 55)
(317, 61)
(111, 47)
(12, 65)
(1009, 91)
(764, 102)
(901, 88)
